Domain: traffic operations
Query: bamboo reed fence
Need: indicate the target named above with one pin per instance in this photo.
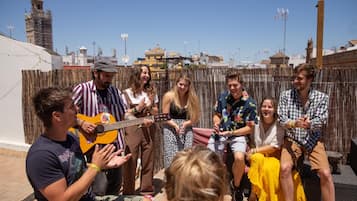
(339, 83)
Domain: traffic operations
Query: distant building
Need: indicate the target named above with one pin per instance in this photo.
(154, 58)
(296, 60)
(158, 60)
(265, 63)
(81, 59)
(174, 60)
(39, 25)
(211, 61)
(344, 56)
(279, 60)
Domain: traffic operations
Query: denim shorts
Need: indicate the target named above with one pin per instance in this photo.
(238, 144)
(217, 143)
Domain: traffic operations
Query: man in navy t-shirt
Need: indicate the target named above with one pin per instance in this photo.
(55, 165)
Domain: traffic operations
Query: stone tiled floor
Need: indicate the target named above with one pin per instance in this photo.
(13, 181)
(14, 185)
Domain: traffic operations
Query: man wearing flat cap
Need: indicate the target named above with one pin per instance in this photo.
(100, 96)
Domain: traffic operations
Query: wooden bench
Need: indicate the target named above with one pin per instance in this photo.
(334, 159)
(345, 180)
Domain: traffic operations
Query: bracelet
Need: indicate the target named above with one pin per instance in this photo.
(94, 166)
(135, 110)
(292, 123)
(254, 150)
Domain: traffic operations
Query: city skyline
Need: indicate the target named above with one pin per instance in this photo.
(245, 31)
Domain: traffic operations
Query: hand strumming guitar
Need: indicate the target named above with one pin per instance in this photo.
(88, 127)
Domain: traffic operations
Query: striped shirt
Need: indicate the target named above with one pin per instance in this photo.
(315, 108)
(90, 103)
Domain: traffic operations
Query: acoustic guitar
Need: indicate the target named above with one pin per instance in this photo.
(107, 128)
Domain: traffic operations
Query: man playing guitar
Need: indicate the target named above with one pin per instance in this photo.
(100, 96)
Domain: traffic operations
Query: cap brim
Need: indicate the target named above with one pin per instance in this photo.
(108, 70)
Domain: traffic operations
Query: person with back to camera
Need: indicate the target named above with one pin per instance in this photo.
(234, 118)
(183, 107)
(100, 96)
(55, 164)
(142, 101)
(264, 155)
(196, 174)
(303, 112)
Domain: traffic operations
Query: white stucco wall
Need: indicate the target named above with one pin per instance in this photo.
(56, 62)
(14, 57)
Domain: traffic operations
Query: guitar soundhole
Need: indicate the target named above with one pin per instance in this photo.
(99, 129)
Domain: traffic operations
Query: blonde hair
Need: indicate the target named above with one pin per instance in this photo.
(193, 103)
(196, 174)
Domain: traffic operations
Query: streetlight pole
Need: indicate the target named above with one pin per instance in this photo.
(282, 13)
(184, 47)
(238, 59)
(11, 28)
(124, 37)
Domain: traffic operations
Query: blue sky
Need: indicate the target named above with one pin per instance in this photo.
(244, 30)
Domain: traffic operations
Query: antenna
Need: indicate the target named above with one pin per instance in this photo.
(282, 13)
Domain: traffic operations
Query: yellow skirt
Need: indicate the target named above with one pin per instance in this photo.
(264, 177)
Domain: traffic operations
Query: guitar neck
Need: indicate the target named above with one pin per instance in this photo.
(126, 123)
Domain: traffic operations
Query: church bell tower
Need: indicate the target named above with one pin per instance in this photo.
(39, 25)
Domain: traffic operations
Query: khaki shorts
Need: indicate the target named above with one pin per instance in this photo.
(292, 151)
